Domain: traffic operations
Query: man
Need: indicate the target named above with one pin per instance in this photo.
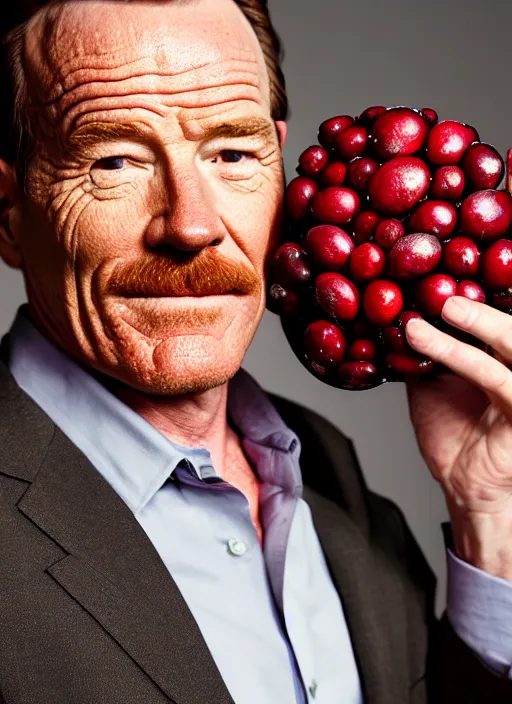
(169, 533)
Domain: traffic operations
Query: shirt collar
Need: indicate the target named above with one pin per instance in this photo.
(134, 457)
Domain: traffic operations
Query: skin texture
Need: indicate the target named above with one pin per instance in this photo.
(151, 204)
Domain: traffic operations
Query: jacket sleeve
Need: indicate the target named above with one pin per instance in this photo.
(454, 673)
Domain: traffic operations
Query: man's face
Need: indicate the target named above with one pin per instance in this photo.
(155, 193)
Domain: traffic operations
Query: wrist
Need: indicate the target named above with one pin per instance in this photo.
(484, 540)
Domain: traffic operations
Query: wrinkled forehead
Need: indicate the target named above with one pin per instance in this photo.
(87, 40)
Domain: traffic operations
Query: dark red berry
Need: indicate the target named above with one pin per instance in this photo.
(409, 365)
(382, 302)
(336, 206)
(413, 256)
(368, 116)
(399, 185)
(282, 301)
(364, 226)
(388, 232)
(461, 257)
(367, 262)
(360, 171)
(448, 140)
(486, 215)
(448, 183)
(337, 296)
(362, 350)
(497, 265)
(290, 265)
(398, 132)
(471, 290)
(433, 292)
(329, 129)
(299, 193)
(351, 142)
(328, 246)
(406, 316)
(434, 217)
(431, 115)
(325, 343)
(313, 160)
(483, 165)
(394, 339)
(358, 375)
(334, 174)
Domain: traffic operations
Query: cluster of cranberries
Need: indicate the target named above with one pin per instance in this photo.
(391, 214)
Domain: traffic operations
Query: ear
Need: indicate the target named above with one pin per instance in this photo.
(10, 250)
(282, 131)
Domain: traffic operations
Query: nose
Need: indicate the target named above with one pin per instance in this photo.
(188, 219)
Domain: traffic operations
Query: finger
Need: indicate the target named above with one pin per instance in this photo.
(494, 327)
(474, 365)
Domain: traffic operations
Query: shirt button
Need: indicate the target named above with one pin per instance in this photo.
(236, 547)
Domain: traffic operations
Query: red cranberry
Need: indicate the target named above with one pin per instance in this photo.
(351, 142)
(461, 257)
(367, 262)
(328, 246)
(395, 340)
(434, 217)
(362, 350)
(336, 206)
(448, 183)
(431, 115)
(409, 365)
(313, 160)
(497, 265)
(399, 185)
(325, 343)
(364, 226)
(358, 375)
(486, 214)
(408, 315)
(299, 193)
(483, 165)
(368, 116)
(360, 171)
(448, 141)
(331, 128)
(388, 232)
(503, 299)
(433, 292)
(398, 132)
(471, 290)
(334, 174)
(337, 296)
(382, 302)
(282, 301)
(413, 256)
(290, 265)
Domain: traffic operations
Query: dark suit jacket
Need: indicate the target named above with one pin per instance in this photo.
(90, 615)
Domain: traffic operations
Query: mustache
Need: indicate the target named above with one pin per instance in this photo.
(205, 274)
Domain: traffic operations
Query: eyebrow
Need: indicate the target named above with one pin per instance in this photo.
(94, 132)
(244, 127)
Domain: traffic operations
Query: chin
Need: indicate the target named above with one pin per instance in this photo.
(183, 366)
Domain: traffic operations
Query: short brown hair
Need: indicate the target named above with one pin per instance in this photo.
(14, 127)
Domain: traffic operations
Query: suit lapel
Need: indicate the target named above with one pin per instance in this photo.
(371, 594)
(111, 568)
(369, 586)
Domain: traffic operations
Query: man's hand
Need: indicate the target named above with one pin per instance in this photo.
(464, 428)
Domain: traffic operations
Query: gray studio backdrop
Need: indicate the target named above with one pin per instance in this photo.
(341, 56)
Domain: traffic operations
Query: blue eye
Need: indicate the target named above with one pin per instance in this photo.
(111, 163)
(230, 156)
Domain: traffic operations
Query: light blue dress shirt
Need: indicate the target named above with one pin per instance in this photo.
(271, 617)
